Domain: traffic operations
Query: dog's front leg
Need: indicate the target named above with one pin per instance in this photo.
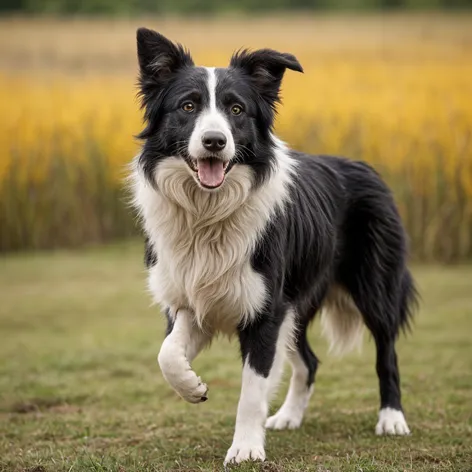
(262, 346)
(182, 344)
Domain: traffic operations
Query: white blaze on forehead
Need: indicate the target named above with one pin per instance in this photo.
(211, 119)
(211, 86)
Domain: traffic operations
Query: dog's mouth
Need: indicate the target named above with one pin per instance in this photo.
(210, 171)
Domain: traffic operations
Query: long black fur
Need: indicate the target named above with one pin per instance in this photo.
(341, 227)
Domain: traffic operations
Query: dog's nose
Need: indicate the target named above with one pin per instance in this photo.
(214, 141)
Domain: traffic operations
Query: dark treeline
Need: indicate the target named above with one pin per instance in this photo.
(128, 7)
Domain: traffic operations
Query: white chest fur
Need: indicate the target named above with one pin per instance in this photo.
(204, 240)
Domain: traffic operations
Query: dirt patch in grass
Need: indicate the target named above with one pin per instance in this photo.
(36, 405)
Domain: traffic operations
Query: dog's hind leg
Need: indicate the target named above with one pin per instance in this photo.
(384, 311)
(183, 342)
(304, 364)
(391, 418)
(372, 270)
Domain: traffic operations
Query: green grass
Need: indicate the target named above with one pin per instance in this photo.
(80, 388)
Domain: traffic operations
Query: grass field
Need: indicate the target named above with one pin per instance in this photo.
(81, 389)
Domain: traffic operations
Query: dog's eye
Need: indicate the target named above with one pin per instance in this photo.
(188, 107)
(236, 109)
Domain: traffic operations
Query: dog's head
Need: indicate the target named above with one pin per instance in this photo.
(211, 118)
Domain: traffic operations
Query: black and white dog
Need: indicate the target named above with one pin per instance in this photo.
(247, 236)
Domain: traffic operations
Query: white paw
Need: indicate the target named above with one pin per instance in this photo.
(193, 392)
(284, 420)
(182, 378)
(391, 421)
(244, 451)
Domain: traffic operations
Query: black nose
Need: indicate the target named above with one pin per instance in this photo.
(214, 141)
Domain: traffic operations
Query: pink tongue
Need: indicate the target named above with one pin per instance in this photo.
(211, 172)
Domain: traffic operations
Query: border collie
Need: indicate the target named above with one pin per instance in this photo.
(246, 236)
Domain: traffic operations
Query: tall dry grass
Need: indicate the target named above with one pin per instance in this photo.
(395, 91)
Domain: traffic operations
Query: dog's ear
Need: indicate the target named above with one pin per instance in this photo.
(266, 69)
(158, 57)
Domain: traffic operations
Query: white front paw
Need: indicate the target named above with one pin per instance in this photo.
(245, 451)
(391, 421)
(284, 420)
(189, 386)
(194, 391)
(183, 379)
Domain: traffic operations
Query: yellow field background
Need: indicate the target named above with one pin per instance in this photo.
(393, 90)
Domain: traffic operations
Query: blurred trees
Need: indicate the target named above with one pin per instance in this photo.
(198, 6)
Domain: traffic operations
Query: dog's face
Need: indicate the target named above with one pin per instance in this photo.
(211, 118)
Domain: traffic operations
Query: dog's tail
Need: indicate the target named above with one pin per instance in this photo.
(343, 325)
(341, 322)
(409, 301)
